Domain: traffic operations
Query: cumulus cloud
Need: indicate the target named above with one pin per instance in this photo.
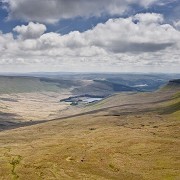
(177, 25)
(31, 31)
(124, 35)
(140, 40)
(149, 18)
(54, 10)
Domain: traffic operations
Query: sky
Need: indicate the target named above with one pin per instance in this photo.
(90, 36)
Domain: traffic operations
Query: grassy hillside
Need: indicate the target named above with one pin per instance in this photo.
(102, 88)
(19, 84)
(79, 84)
(127, 138)
(172, 106)
(25, 84)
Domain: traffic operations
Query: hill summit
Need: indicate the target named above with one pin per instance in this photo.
(174, 82)
(173, 85)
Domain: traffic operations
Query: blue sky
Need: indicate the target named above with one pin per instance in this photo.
(64, 32)
(82, 24)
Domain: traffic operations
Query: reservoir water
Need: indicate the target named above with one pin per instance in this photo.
(90, 100)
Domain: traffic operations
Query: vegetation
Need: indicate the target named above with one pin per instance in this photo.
(25, 84)
(125, 136)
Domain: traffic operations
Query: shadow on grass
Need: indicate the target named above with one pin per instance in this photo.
(171, 109)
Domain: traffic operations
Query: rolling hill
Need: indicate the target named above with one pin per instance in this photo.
(23, 84)
(13, 84)
(125, 136)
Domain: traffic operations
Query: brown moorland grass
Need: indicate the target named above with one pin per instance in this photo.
(100, 145)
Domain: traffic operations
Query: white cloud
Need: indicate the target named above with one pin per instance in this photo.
(31, 31)
(117, 45)
(54, 10)
(149, 18)
(177, 25)
(124, 35)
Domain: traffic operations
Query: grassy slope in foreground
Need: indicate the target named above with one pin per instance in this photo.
(103, 145)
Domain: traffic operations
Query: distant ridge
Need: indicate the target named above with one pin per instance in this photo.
(172, 85)
(174, 81)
